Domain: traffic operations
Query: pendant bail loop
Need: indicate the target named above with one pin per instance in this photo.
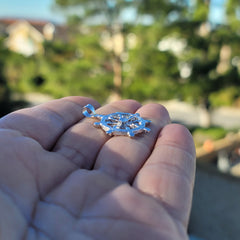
(89, 111)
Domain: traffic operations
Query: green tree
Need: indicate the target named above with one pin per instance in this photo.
(111, 10)
(210, 51)
(115, 25)
(5, 105)
(233, 14)
(150, 73)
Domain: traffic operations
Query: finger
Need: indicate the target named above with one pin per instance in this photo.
(169, 172)
(46, 122)
(121, 157)
(82, 142)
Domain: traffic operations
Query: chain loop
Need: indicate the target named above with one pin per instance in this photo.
(89, 111)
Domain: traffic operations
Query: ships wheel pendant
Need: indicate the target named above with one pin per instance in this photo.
(118, 123)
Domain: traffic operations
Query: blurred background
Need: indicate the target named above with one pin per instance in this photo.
(184, 54)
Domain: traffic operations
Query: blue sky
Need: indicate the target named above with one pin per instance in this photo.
(217, 11)
(42, 9)
(36, 9)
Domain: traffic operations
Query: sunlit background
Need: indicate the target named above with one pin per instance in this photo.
(184, 54)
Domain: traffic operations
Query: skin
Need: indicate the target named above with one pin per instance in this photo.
(62, 178)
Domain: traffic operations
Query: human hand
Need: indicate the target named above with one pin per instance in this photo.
(61, 178)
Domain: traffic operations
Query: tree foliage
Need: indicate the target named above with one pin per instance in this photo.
(177, 54)
(212, 49)
(161, 11)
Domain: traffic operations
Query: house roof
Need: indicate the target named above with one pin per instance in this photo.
(23, 24)
(34, 22)
(61, 31)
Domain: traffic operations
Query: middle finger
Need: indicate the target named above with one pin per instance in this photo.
(121, 156)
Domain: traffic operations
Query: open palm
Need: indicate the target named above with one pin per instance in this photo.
(62, 178)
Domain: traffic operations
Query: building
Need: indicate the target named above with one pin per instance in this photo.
(27, 36)
(24, 38)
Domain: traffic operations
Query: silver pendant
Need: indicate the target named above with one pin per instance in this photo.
(118, 123)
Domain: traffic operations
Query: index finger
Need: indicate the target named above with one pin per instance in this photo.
(47, 122)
